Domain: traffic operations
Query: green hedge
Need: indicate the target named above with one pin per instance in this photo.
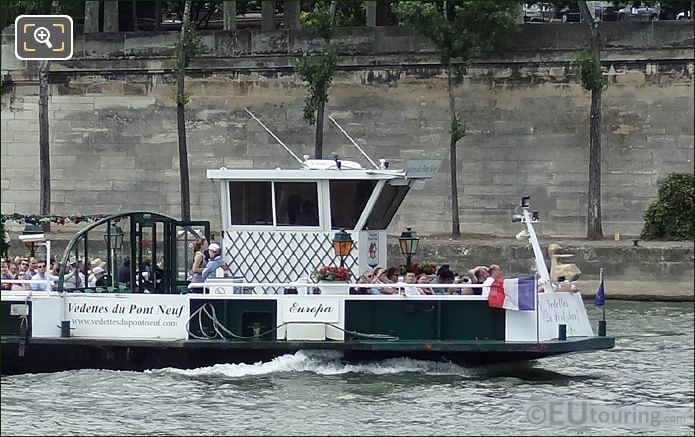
(670, 217)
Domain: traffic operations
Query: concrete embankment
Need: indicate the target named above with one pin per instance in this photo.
(650, 271)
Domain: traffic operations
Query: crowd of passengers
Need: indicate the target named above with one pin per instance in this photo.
(36, 274)
(476, 281)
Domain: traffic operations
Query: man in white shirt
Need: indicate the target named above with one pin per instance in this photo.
(410, 279)
(495, 272)
(38, 281)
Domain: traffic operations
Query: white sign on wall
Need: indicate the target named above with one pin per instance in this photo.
(146, 316)
(310, 310)
(555, 309)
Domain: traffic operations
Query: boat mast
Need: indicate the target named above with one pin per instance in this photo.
(275, 136)
(353, 142)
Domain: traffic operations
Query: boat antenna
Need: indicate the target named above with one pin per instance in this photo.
(353, 142)
(275, 136)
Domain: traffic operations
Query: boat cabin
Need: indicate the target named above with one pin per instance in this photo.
(276, 226)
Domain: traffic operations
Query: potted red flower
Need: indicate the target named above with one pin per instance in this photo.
(333, 275)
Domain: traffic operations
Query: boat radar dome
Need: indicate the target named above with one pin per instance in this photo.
(330, 164)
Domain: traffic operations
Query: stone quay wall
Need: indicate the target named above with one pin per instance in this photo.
(113, 135)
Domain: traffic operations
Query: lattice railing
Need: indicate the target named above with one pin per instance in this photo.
(272, 256)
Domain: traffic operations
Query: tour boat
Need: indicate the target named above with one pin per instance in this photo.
(278, 227)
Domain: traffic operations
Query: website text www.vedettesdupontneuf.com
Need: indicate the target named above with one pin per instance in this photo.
(125, 322)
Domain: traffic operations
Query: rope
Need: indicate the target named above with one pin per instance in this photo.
(218, 327)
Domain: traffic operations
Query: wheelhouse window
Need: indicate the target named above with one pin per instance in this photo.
(386, 206)
(296, 204)
(251, 203)
(348, 199)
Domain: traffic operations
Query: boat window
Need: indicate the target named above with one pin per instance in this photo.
(251, 203)
(296, 203)
(348, 198)
(386, 206)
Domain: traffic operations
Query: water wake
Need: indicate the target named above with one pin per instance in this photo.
(322, 363)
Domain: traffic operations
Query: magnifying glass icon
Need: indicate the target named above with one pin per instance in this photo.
(42, 36)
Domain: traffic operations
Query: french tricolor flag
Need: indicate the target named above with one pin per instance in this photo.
(513, 294)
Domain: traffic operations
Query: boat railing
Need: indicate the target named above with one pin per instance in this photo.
(333, 289)
(47, 282)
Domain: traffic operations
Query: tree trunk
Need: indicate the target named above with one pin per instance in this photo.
(453, 169)
(318, 144)
(135, 16)
(594, 229)
(157, 15)
(181, 124)
(44, 153)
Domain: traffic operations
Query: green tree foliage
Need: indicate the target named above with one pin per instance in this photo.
(670, 217)
(317, 70)
(461, 30)
(588, 72)
(185, 50)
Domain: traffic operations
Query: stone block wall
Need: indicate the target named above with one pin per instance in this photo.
(114, 139)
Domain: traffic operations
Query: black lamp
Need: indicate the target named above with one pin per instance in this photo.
(114, 237)
(408, 242)
(342, 245)
(31, 229)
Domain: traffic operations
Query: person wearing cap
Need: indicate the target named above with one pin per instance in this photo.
(74, 278)
(215, 262)
(98, 277)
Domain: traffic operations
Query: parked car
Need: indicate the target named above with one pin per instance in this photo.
(538, 12)
(639, 12)
(685, 15)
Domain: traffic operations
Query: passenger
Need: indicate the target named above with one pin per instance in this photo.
(31, 268)
(38, 280)
(98, 277)
(389, 276)
(495, 272)
(123, 273)
(200, 247)
(216, 261)
(145, 277)
(6, 275)
(366, 278)
(422, 279)
(74, 278)
(410, 279)
(478, 276)
(444, 276)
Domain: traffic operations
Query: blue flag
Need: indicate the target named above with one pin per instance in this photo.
(600, 299)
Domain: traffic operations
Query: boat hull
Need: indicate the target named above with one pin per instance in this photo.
(57, 354)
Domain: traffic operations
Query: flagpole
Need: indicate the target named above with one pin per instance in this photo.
(604, 303)
(537, 309)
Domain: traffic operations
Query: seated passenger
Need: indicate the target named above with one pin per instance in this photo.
(366, 278)
(421, 278)
(390, 276)
(444, 276)
(410, 279)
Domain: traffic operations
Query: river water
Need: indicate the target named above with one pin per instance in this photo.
(649, 373)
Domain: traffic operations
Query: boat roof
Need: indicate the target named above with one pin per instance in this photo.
(303, 174)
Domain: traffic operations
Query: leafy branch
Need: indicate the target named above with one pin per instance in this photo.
(588, 72)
